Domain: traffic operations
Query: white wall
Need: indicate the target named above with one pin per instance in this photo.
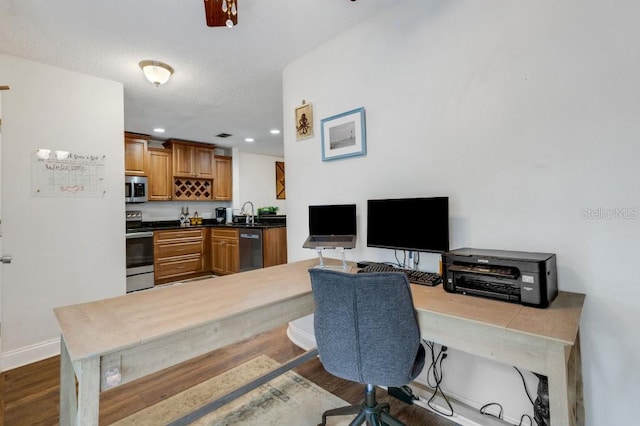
(65, 250)
(255, 180)
(526, 115)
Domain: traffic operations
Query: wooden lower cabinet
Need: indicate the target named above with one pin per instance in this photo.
(190, 252)
(178, 254)
(225, 253)
(274, 246)
(177, 268)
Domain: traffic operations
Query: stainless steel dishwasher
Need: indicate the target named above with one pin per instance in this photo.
(250, 249)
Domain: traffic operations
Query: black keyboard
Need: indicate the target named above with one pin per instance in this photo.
(415, 277)
(328, 239)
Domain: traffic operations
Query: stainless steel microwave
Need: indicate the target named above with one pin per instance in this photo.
(135, 189)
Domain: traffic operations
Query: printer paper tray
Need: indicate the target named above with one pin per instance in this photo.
(485, 286)
(497, 271)
(485, 293)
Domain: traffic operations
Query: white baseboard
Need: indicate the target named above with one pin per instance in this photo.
(28, 354)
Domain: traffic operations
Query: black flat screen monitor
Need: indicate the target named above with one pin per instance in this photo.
(417, 224)
(339, 219)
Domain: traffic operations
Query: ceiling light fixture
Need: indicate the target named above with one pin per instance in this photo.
(249, 139)
(275, 131)
(156, 72)
(229, 7)
(158, 130)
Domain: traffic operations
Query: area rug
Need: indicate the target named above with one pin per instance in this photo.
(289, 399)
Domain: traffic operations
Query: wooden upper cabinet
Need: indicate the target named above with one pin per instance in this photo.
(222, 184)
(182, 160)
(203, 159)
(135, 154)
(160, 179)
(191, 159)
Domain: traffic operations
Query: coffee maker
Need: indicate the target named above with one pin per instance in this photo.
(221, 214)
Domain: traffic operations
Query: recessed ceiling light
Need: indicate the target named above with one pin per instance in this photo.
(275, 131)
(158, 130)
(249, 139)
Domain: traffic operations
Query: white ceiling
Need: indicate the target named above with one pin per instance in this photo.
(225, 80)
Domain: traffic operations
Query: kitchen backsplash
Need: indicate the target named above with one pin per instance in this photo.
(170, 210)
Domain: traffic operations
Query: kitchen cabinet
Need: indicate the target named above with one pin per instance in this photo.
(191, 159)
(274, 246)
(178, 254)
(203, 162)
(222, 184)
(225, 253)
(192, 170)
(159, 174)
(135, 154)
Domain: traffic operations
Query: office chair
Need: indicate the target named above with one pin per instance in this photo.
(366, 331)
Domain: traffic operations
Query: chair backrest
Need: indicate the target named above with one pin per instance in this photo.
(365, 326)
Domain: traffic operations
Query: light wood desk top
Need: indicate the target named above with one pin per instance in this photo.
(104, 326)
(146, 331)
(560, 321)
(108, 325)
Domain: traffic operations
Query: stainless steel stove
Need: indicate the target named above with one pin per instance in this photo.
(139, 253)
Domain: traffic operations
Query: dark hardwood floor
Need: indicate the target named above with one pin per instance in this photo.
(30, 393)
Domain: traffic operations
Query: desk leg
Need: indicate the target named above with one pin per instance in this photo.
(68, 403)
(88, 391)
(575, 381)
(561, 389)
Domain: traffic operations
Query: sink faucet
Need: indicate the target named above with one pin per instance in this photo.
(249, 219)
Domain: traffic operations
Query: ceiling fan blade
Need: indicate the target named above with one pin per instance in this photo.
(215, 16)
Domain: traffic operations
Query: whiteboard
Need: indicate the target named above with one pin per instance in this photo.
(57, 173)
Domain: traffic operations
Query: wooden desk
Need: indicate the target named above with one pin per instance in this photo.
(545, 341)
(141, 333)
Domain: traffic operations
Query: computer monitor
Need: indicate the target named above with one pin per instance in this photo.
(416, 224)
(338, 219)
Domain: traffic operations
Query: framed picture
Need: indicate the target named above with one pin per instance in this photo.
(304, 121)
(281, 193)
(344, 135)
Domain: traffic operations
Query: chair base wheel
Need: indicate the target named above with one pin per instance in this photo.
(370, 411)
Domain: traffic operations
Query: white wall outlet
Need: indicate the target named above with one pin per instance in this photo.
(112, 377)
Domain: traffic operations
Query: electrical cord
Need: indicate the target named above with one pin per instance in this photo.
(404, 258)
(486, 413)
(525, 386)
(522, 418)
(499, 416)
(435, 370)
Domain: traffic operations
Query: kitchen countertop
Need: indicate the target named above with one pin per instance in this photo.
(206, 223)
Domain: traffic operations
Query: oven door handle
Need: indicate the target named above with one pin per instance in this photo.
(130, 235)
